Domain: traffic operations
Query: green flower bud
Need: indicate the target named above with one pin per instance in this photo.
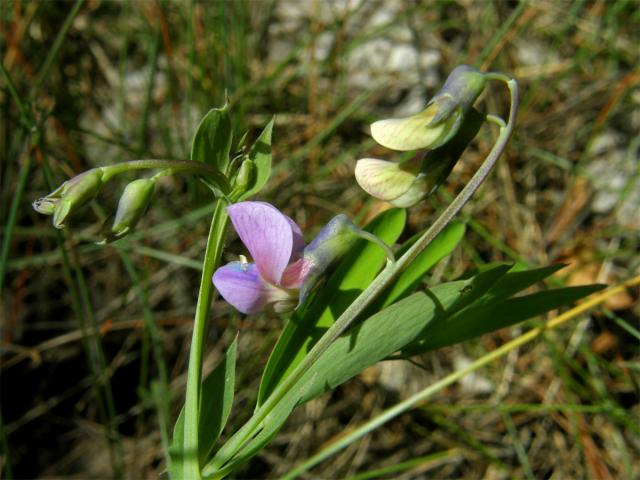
(245, 176)
(46, 205)
(440, 121)
(133, 203)
(71, 196)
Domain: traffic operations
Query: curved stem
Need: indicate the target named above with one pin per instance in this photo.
(176, 166)
(382, 281)
(212, 257)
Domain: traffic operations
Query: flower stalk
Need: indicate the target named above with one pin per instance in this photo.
(212, 256)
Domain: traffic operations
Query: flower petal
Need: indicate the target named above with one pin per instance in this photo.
(267, 234)
(295, 273)
(382, 179)
(298, 240)
(240, 284)
(409, 133)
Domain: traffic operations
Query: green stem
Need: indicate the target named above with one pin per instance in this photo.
(212, 258)
(382, 281)
(189, 166)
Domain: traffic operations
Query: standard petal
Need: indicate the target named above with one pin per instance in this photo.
(267, 234)
(382, 179)
(240, 284)
(409, 133)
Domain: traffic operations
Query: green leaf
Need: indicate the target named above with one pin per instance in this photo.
(260, 154)
(442, 315)
(433, 317)
(514, 282)
(481, 318)
(213, 138)
(411, 278)
(217, 400)
(307, 325)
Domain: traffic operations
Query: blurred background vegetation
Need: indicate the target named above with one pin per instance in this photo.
(92, 336)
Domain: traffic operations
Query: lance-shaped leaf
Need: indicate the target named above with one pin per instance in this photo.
(442, 315)
(213, 138)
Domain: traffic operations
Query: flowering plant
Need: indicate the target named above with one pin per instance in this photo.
(372, 305)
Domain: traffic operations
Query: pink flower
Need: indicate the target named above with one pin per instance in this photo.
(276, 245)
(284, 272)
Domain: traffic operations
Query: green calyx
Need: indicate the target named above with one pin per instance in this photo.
(132, 205)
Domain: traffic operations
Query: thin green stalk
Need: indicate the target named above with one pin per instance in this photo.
(53, 52)
(122, 65)
(153, 58)
(104, 377)
(212, 256)
(25, 114)
(517, 446)
(162, 396)
(454, 377)
(384, 279)
(502, 31)
(189, 166)
(13, 210)
(408, 465)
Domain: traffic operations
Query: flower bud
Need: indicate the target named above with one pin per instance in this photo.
(334, 240)
(46, 205)
(72, 195)
(132, 205)
(399, 184)
(403, 185)
(440, 121)
(245, 176)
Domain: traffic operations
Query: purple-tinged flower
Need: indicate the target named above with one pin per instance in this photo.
(284, 271)
(276, 245)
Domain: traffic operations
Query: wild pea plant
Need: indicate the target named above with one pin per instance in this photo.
(371, 306)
